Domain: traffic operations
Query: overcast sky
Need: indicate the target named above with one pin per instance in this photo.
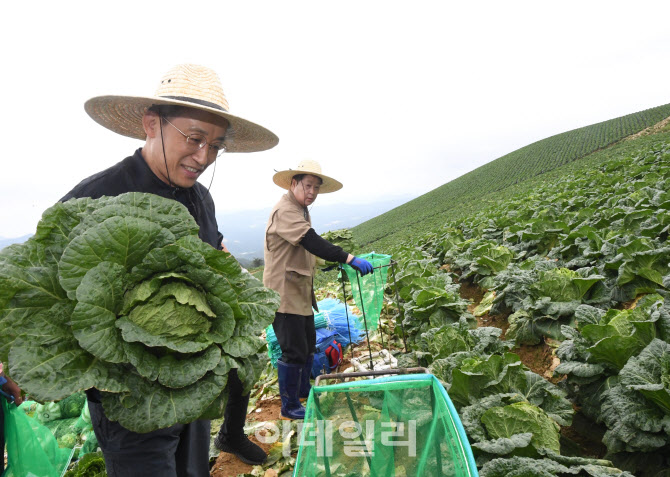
(392, 98)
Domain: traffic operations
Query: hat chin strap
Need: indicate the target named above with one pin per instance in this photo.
(212, 179)
(167, 171)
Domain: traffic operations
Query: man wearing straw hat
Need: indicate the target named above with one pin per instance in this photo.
(291, 245)
(186, 126)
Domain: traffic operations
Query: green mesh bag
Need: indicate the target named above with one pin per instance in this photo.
(400, 425)
(369, 296)
(31, 447)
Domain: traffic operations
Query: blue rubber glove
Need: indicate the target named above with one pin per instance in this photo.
(361, 265)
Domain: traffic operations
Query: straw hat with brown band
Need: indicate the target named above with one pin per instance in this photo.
(192, 86)
(283, 178)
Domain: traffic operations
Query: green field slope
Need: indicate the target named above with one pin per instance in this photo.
(474, 190)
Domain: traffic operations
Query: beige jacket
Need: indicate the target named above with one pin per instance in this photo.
(289, 268)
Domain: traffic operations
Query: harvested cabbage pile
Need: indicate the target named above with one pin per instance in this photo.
(120, 294)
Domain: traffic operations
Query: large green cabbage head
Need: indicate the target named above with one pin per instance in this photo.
(120, 294)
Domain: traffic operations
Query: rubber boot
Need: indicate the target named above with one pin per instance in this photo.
(305, 385)
(231, 437)
(289, 376)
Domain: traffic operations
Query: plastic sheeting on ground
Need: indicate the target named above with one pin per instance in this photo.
(331, 317)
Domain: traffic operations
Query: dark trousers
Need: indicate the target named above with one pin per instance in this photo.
(181, 450)
(296, 336)
(235, 414)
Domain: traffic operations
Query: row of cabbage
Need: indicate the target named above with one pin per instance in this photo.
(574, 250)
(512, 415)
(582, 261)
(596, 238)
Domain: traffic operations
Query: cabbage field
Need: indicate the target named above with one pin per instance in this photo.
(536, 288)
(574, 262)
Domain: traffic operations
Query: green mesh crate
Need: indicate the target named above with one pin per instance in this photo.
(369, 296)
(401, 425)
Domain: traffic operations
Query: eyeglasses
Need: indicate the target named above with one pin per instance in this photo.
(197, 142)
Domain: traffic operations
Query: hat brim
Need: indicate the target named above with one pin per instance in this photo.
(123, 115)
(283, 180)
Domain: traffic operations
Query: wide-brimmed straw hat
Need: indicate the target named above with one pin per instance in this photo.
(192, 86)
(283, 178)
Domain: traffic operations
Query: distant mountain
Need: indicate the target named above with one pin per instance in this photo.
(244, 231)
(8, 241)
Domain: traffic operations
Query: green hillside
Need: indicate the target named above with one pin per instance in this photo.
(470, 192)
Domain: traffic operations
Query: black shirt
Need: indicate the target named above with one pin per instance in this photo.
(322, 248)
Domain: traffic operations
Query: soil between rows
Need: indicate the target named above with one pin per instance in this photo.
(583, 437)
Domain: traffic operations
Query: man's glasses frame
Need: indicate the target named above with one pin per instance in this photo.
(213, 150)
